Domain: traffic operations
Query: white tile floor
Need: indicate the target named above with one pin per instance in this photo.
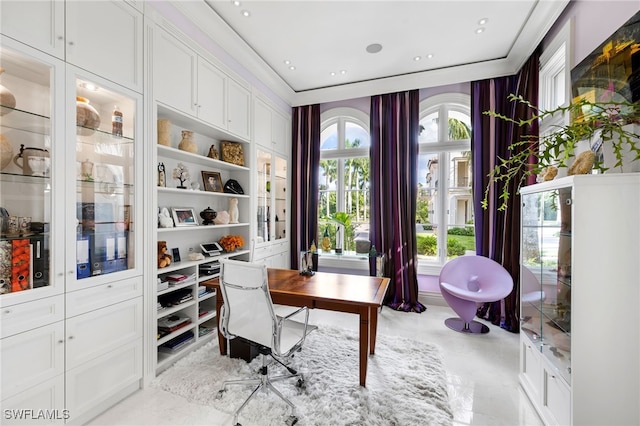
(482, 372)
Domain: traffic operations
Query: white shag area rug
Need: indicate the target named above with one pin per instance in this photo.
(406, 383)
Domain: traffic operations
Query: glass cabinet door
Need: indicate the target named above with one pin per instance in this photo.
(264, 197)
(546, 274)
(272, 197)
(105, 178)
(25, 173)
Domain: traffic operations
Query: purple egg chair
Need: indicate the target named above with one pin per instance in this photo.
(466, 281)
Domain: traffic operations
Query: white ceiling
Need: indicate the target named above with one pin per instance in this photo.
(324, 37)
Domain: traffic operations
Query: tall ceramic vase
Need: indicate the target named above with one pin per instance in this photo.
(6, 98)
(164, 132)
(187, 143)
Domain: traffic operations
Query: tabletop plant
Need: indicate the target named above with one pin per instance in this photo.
(592, 121)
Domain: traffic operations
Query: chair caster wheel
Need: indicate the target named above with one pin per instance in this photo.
(292, 420)
(220, 393)
(300, 383)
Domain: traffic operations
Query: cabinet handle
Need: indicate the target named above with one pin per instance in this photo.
(60, 37)
(109, 286)
(60, 341)
(71, 337)
(71, 43)
(71, 272)
(8, 311)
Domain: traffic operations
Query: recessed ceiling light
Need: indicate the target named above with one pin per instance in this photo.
(89, 86)
(483, 21)
(480, 30)
(343, 72)
(417, 58)
(287, 62)
(246, 13)
(374, 48)
(332, 73)
(291, 67)
(236, 3)
(430, 55)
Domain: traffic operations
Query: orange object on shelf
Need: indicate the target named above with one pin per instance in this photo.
(20, 261)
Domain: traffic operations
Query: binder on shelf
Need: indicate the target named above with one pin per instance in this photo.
(122, 240)
(40, 259)
(83, 267)
(5, 266)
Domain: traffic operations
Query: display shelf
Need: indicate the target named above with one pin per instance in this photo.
(165, 190)
(25, 121)
(200, 227)
(179, 155)
(178, 332)
(168, 311)
(176, 287)
(165, 359)
(19, 178)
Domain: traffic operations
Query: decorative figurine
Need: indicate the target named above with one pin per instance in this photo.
(181, 173)
(213, 152)
(233, 210)
(162, 175)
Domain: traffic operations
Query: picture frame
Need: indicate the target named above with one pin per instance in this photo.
(232, 152)
(212, 181)
(184, 216)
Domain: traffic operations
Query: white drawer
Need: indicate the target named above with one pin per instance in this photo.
(100, 331)
(557, 397)
(29, 315)
(89, 299)
(48, 395)
(30, 358)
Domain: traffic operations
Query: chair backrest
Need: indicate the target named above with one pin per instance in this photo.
(248, 310)
(484, 277)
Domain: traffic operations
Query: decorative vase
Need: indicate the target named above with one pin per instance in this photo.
(326, 240)
(187, 143)
(6, 152)
(25, 154)
(233, 210)
(164, 132)
(87, 117)
(339, 236)
(208, 215)
(6, 98)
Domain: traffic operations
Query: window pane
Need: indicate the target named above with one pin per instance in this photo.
(426, 221)
(459, 199)
(356, 189)
(356, 136)
(459, 126)
(429, 128)
(329, 137)
(327, 201)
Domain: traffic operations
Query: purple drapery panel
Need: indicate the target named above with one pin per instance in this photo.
(498, 232)
(304, 186)
(394, 182)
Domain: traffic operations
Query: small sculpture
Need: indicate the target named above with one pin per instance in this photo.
(163, 258)
(548, 173)
(181, 173)
(233, 210)
(222, 218)
(208, 215)
(164, 219)
(583, 163)
(213, 152)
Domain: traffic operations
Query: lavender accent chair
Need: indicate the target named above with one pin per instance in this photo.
(466, 281)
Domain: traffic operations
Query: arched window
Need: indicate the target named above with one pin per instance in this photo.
(343, 183)
(444, 213)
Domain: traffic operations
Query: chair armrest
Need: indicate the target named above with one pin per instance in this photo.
(289, 328)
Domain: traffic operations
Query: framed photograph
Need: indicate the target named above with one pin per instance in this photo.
(184, 216)
(232, 152)
(212, 181)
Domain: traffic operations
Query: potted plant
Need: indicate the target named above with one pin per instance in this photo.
(599, 123)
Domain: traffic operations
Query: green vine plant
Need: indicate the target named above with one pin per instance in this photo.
(605, 121)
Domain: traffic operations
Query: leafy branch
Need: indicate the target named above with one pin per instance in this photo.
(591, 120)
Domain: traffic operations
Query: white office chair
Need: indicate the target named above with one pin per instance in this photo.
(248, 313)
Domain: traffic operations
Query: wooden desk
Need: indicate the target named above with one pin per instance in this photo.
(354, 294)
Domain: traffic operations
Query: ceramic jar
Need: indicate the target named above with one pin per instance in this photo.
(164, 132)
(6, 98)
(87, 117)
(187, 143)
(26, 154)
(208, 215)
(6, 152)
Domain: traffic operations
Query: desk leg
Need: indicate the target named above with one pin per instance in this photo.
(373, 329)
(222, 342)
(364, 343)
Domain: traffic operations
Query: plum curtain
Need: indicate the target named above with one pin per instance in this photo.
(394, 182)
(304, 186)
(498, 232)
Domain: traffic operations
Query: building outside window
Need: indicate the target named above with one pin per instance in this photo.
(344, 177)
(444, 212)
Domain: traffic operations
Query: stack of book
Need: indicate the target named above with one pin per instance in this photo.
(176, 298)
(172, 323)
(175, 279)
(177, 343)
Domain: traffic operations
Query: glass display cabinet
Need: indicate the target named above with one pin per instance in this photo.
(546, 274)
(105, 177)
(272, 197)
(26, 192)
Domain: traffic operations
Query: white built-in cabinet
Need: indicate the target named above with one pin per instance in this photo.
(579, 337)
(71, 334)
(188, 82)
(271, 131)
(104, 37)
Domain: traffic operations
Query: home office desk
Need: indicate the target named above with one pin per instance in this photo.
(354, 294)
